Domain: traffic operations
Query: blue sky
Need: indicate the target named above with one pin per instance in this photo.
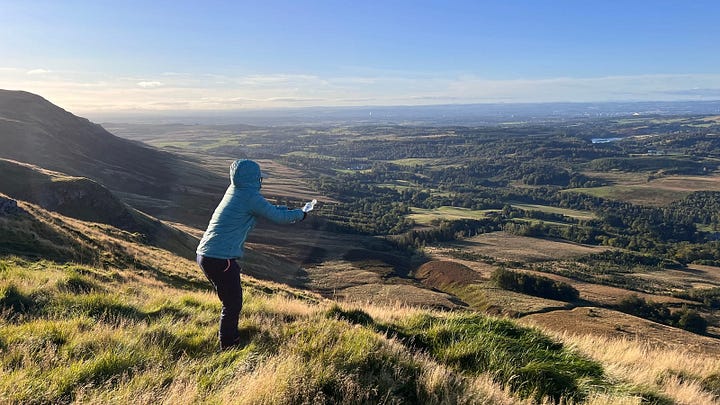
(180, 55)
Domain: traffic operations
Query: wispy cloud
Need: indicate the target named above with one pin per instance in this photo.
(149, 85)
(38, 71)
(83, 92)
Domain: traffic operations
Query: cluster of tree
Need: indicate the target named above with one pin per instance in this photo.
(692, 141)
(371, 216)
(707, 253)
(545, 157)
(702, 207)
(573, 233)
(534, 285)
(621, 258)
(447, 231)
(627, 225)
(688, 319)
(710, 297)
(664, 164)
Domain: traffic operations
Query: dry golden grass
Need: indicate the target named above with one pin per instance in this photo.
(388, 313)
(674, 372)
(167, 305)
(694, 276)
(397, 294)
(617, 325)
(604, 399)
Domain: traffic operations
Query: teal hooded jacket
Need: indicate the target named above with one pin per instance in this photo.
(236, 214)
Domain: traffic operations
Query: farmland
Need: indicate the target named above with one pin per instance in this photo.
(646, 190)
(616, 221)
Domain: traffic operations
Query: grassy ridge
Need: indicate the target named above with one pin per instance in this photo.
(77, 333)
(136, 324)
(74, 333)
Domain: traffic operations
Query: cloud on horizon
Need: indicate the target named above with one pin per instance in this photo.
(93, 92)
(38, 71)
(150, 85)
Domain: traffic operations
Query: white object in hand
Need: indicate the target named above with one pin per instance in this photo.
(309, 206)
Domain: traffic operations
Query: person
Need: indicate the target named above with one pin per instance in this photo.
(223, 241)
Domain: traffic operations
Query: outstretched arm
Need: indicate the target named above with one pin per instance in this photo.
(274, 213)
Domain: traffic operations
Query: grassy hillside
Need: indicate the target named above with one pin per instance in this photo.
(136, 323)
(33, 130)
(82, 198)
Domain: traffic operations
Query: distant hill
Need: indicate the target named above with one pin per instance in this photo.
(85, 199)
(33, 130)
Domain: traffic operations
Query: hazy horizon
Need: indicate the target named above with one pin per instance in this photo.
(434, 115)
(101, 57)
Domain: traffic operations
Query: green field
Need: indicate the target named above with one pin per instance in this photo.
(432, 162)
(555, 210)
(423, 216)
(312, 155)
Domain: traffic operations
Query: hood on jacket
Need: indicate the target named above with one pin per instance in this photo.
(245, 173)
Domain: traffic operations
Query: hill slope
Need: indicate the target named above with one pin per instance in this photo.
(84, 199)
(136, 323)
(33, 130)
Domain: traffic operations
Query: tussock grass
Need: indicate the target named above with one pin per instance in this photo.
(682, 377)
(73, 333)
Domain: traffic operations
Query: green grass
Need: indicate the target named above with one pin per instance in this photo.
(472, 294)
(69, 333)
(311, 155)
(585, 215)
(433, 162)
(77, 333)
(521, 359)
(602, 191)
(426, 216)
(706, 228)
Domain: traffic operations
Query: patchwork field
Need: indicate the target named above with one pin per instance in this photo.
(639, 189)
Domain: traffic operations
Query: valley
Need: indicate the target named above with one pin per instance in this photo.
(419, 230)
(541, 199)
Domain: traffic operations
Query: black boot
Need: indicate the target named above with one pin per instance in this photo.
(235, 342)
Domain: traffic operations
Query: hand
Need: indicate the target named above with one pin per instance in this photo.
(309, 206)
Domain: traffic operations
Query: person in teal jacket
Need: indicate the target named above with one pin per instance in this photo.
(222, 243)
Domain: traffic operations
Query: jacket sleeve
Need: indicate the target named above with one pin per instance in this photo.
(278, 214)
